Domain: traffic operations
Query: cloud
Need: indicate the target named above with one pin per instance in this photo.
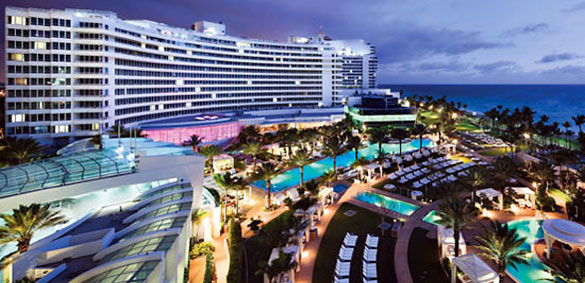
(499, 66)
(558, 57)
(528, 29)
(408, 41)
(577, 7)
(566, 70)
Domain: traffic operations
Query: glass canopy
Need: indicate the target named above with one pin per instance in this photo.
(63, 170)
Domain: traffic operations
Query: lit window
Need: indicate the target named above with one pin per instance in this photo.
(18, 20)
(17, 57)
(17, 118)
(40, 45)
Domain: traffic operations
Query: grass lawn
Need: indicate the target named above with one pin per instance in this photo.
(430, 117)
(462, 158)
(423, 258)
(467, 127)
(259, 247)
(362, 223)
(496, 151)
(560, 194)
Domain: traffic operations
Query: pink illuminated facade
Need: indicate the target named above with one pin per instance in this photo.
(209, 133)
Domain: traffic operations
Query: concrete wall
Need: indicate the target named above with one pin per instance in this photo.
(82, 245)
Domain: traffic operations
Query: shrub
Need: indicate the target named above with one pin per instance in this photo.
(235, 250)
(209, 268)
(288, 202)
(203, 248)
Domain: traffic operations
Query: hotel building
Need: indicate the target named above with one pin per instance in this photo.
(74, 73)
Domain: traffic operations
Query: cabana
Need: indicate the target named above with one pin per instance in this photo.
(449, 148)
(527, 196)
(289, 275)
(293, 194)
(446, 242)
(327, 195)
(222, 162)
(371, 171)
(564, 231)
(492, 195)
(474, 270)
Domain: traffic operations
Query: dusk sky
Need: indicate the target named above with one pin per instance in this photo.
(418, 41)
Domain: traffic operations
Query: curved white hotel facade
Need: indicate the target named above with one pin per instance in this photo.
(73, 73)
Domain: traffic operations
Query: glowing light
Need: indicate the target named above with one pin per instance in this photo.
(534, 184)
(305, 253)
(454, 115)
(527, 136)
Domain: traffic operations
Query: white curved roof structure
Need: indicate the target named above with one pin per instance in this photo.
(564, 231)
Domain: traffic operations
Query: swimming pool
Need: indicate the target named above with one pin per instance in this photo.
(393, 204)
(431, 217)
(291, 178)
(535, 270)
(341, 187)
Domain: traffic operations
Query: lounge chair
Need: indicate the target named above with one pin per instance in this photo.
(342, 269)
(372, 241)
(350, 240)
(345, 254)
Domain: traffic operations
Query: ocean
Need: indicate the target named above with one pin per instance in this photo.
(559, 102)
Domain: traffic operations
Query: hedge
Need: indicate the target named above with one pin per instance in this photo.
(209, 266)
(235, 250)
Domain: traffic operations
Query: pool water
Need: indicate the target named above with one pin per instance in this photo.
(431, 218)
(393, 204)
(341, 187)
(291, 178)
(535, 270)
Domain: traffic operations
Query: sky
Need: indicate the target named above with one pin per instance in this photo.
(417, 41)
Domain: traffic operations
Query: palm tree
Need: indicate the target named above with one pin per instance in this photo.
(571, 269)
(240, 184)
(354, 142)
(503, 168)
(277, 266)
(23, 150)
(579, 121)
(419, 130)
(226, 182)
(23, 222)
(502, 245)
(542, 172)
(399, 134)
(194, 141)
(313, 187)
(266, 172)
(378, 135)
(248, 134)
(300, 159)
(197, 217)
(457, 214)
(477, 176)
(254, 149)
(329, 177)
(334, 147)
(209, 152)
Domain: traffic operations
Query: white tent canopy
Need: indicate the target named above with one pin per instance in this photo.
(564, 231)
(490, 193)
(446, 241)
(526, 193)
(475, 270)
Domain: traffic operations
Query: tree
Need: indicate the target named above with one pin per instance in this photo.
(300, 159)
(24, 150)
(266, 172)
(378, 135)
(419, 130)
(249, 134)
(194, 141)
(313, 187)
(334, 147)
(354, 142)
(570, 269)
(542, 172)
(227, 183)
(579, 121)
(209, 152)
(501, 244)
(23, 222)
(329, 177)
(399, 134)
(503, 168)
(477, 176)
(253, 149)
(197, 217)
(457, 214)
(277, 266)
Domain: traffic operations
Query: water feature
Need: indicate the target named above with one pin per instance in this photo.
(393, 204)
(535, 270)
(431, 218)
(291, 178)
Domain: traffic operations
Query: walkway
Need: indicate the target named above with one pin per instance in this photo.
(305, 275)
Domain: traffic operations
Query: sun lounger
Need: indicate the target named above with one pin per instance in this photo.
(350, 240)
(372, 241)
(345, 254)
(342, 269)
(370, 255)
(370, 271)
(341, 280)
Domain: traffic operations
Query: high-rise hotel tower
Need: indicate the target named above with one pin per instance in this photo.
(73, 73)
